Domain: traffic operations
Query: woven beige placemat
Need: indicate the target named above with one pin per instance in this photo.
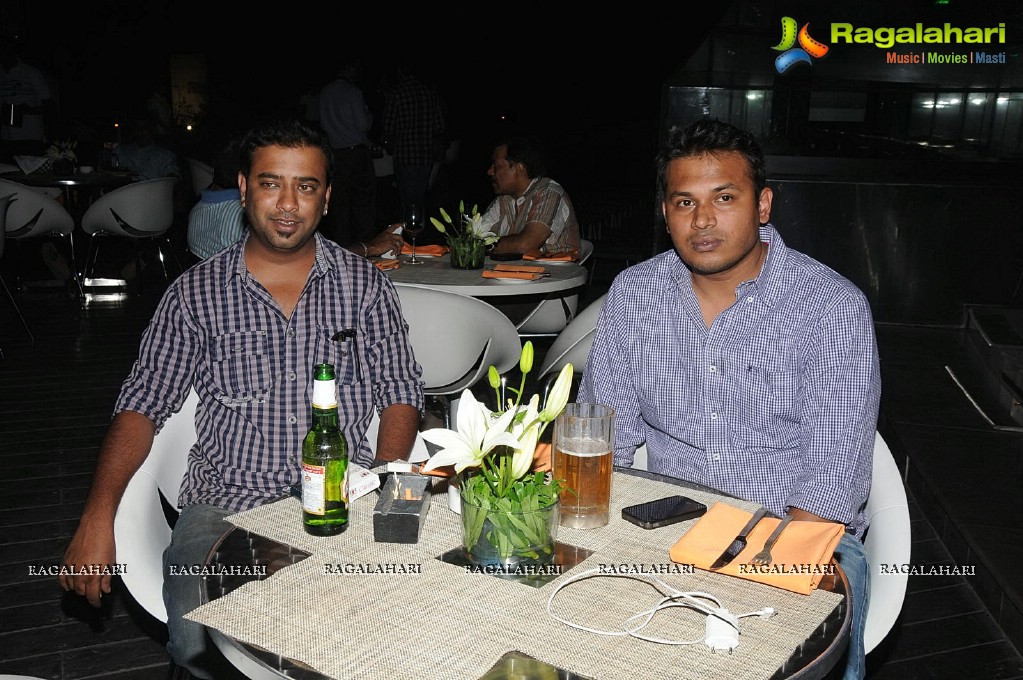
(430, 619)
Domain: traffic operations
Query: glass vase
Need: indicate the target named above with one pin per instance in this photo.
(498, 532)
(467, 253)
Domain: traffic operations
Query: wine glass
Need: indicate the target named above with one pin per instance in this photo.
(413, 227)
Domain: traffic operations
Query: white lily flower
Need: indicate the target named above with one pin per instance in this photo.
(527, 433)
(478, 434)
(558, 396)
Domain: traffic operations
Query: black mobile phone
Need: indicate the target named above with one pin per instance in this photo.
(663, 511)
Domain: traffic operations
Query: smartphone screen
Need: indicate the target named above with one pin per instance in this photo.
(663, 511)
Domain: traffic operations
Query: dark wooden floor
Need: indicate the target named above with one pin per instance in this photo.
(55, 398)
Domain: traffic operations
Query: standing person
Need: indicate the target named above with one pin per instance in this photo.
(742, 364)
(244, 329)
(28, 109)
(531, 211)
(347, 120)
(414, 130)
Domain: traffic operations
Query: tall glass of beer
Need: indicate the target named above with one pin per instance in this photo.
(583, 441)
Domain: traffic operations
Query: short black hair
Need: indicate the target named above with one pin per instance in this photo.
(709, 136)
(530, 152)
(287, 132)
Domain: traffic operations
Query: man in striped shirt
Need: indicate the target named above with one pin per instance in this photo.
(742, 364)
(244, 329)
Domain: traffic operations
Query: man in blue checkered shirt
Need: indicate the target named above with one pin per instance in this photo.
(742, 364)
(244, 330)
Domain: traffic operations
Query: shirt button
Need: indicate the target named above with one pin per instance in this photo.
(716, 456)
(292, 419)
(291, 332)
(712, 368)
(292, 376)
(749, 299)
(713, 415)
(344, 352)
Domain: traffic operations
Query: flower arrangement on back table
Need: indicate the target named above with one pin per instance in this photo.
(492, 453)
(468, 239)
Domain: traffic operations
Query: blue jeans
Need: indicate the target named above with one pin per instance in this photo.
(197, 529)
(850, 556)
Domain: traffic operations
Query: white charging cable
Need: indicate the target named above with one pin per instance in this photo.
(721, 631)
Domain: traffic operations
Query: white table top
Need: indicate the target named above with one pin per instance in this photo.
(436, 272)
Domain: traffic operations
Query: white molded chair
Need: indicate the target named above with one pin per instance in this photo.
(137, 211)
(456, 338)
(33, 214)
(552, 315)
(141, 529)
(201, 174)
(572, 345)
(4, 203)
(888, 541)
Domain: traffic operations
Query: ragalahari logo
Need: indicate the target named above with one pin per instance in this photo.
(808, 49)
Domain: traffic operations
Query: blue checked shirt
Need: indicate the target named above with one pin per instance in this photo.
(776, 402)
(218, 330)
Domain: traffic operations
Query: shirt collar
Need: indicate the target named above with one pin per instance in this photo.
(236, 268)
(525, 194)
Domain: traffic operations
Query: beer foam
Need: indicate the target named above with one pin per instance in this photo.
(583, 447)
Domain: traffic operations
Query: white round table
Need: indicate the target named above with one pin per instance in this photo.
(436, 272)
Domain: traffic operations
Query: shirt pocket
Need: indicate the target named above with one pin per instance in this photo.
(768, 400)
(240, 367)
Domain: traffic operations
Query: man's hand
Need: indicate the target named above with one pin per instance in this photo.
(90, 548)
(384, 241)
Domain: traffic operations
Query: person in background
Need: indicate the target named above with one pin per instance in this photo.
(532, 212)
(143, 156)
(742, 364)
(28, 109)
(347, 120)
(413, 131)
(217, 220)
(243, 330)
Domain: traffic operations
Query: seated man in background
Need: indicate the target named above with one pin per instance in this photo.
(531, 212)
(742, 364)
(244, 330)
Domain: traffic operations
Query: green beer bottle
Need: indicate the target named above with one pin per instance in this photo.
(324, 461)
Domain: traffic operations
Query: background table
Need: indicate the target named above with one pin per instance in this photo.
(346, 622)
(437, 272)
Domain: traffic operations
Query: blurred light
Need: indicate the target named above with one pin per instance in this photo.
(978, 100)
(752, 95)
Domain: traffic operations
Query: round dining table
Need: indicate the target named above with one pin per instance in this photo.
(437, 272)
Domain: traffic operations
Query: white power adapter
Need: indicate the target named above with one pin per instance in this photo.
(722, 630)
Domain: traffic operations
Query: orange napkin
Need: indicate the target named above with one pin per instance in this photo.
(432, 250)
(566, 256)
(800, 558)
(493, 274)
(528, 268)
(384, 265)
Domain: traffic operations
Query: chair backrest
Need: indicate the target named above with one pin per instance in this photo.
(551, 316)
(137, 210)
(572, 345)
(456, 337)
(201, 174)
(4, 203)
(888, 541)
(585, 250)
(141, 530)
(33, 213)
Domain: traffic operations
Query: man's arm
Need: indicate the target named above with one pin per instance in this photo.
(532, 237)
(124, 448)
(398, 426)
(381, 243)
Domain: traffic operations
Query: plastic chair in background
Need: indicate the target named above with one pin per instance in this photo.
(888, 541)
(572, 345)
(4, 204)
(33, 214)
(141, 211)
(455, 339)
(200, 173)
(552, 315)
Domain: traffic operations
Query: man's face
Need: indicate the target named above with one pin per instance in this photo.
(505, 176)
(713, 213)
(285, 195)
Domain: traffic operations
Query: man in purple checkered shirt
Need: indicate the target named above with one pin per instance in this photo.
(742, 364)
(244, 329)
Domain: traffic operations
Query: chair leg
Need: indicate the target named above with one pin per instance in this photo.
(17, 309)
(77, 275)
(138, 264)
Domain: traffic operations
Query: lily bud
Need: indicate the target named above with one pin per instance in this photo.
(437, 223)
(461, 207)
(526, 358)
(494, 377)
(558, 396)
(445, 215)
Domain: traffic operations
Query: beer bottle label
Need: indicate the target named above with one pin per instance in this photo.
(313, 487)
